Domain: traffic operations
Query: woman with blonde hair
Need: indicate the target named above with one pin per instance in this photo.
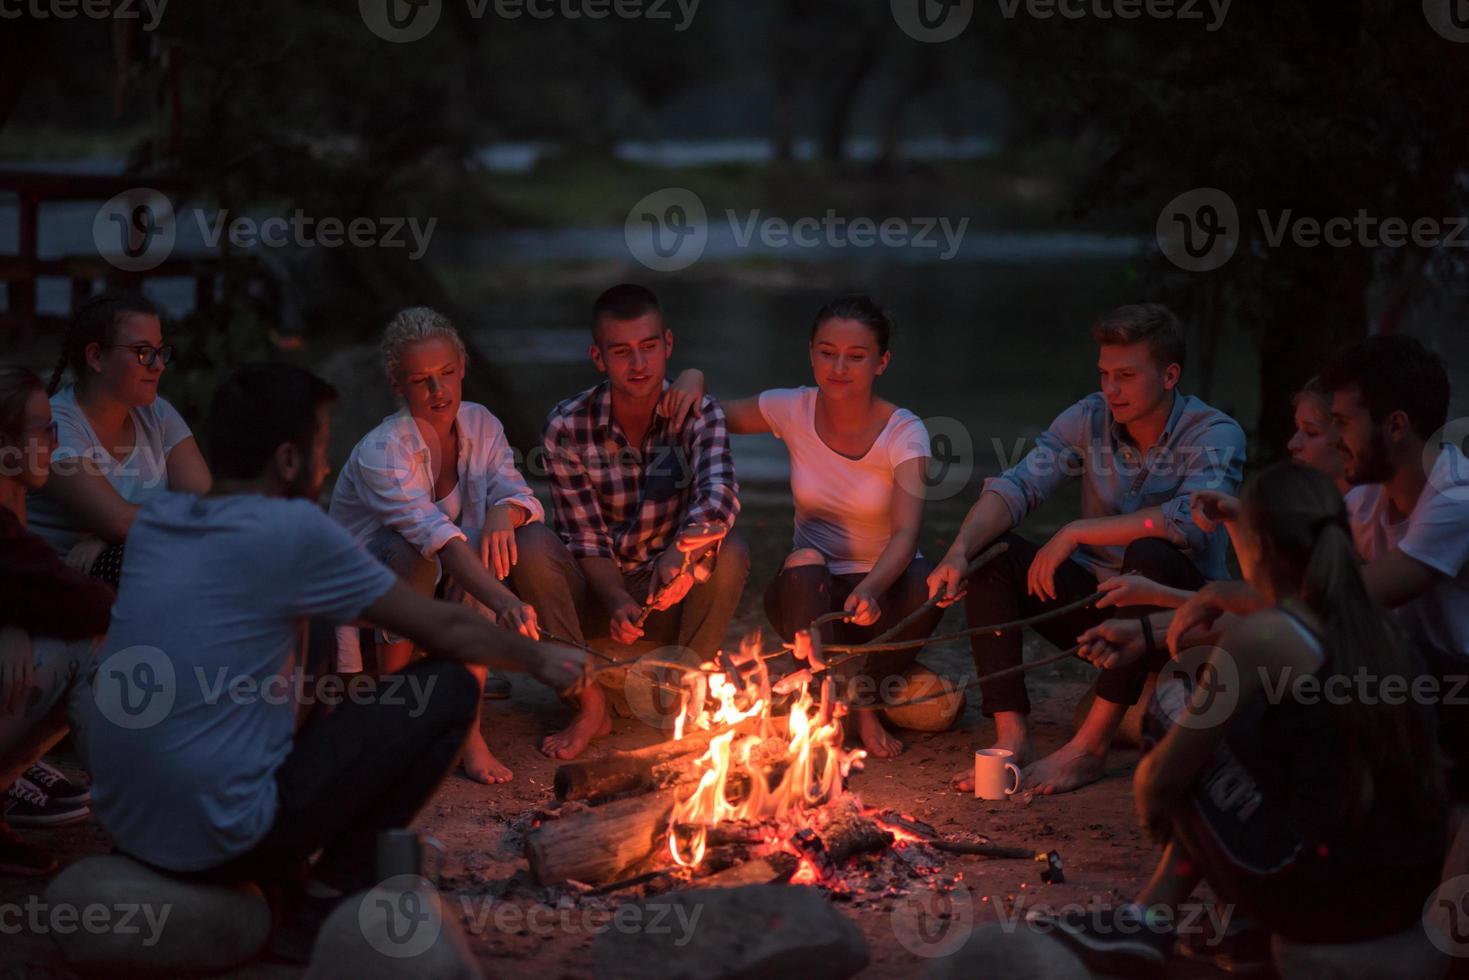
(433, 492)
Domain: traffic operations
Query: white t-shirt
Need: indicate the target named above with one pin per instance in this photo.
(1436, 533)
(189, 712)
(157, 428)
(843, 505)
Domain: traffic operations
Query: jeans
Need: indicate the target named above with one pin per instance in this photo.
(369, 766)
(997, 594)
(798, 595)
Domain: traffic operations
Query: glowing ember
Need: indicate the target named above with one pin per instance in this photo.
(760, 775)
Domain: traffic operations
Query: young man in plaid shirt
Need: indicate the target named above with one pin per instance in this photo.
(625, 487)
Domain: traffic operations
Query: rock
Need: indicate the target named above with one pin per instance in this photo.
(756, 931)
(935, 715)
(1403, 954)
(174, 926)
(994, 951)
(399, 929)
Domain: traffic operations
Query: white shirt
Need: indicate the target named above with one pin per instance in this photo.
(157, 429)
(389, 482)
(1436, 533)
(843, 505)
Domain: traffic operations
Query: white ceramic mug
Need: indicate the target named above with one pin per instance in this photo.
(990, 774)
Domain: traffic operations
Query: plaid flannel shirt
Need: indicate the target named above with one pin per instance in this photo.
(611, 500)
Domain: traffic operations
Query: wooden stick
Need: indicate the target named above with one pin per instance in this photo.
(985, 557)
(1049, 614)
(985, 850)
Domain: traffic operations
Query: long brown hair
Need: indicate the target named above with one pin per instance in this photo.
(1300, 520)
(95, 322)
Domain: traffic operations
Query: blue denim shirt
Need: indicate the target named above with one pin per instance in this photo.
(1200, 449)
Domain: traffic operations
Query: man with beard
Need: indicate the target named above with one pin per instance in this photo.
(189, 720)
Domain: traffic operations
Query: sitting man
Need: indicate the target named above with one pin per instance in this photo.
(187, 723)
(1140, 448)
(627, 488)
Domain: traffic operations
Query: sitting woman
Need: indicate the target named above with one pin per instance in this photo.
(434, 494)
(857, 476)
(1291, 802)
(46, 607)
(118, 441)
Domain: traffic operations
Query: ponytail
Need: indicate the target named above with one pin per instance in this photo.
(1306, 541)
(95, 322)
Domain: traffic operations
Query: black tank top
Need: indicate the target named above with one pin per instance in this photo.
(1291, 743)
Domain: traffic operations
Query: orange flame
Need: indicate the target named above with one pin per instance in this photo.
(811, 763)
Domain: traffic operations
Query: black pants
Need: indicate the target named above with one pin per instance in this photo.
(997, 594)
(798, 595)
(369, 766)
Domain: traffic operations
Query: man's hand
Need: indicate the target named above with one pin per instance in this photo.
(947, 579)
(1135, 590)
(1042, 577)
(17, 667)
(671, 581)
(497, 541)
(519, 616)
(1210, 508)
(84, 554)
(1115, 643)
(863, 605)
(624, 620)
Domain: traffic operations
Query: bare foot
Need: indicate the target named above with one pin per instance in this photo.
(480, 764)
(1070, 767)
(591, 721)
(876, 739)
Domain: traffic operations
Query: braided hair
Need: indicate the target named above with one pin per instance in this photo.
(95, 322)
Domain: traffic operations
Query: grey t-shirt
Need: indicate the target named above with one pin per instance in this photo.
(190, 712)
(157, 427)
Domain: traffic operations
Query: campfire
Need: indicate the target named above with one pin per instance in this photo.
(752, 788)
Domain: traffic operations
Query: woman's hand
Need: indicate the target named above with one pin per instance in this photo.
(682, 398)
(519, 616)
(84, 554)
(497, 541)
(17, 667)
(1136, 590)
(1115, 643)
(863, 605)
(671, 580)
(1042, 575)
(1210, 508)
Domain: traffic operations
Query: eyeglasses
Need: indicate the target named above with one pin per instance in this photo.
(148, 356)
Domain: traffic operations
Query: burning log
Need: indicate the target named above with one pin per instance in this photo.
(771, 870)
(845, 836)
(597, 845)
(633, 770)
